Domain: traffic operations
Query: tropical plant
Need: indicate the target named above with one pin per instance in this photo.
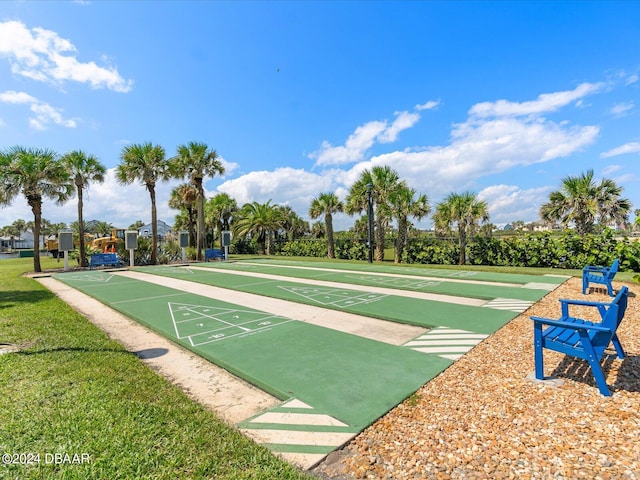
(184, 197)
(20, 226)
(294, 227)
(100, 228)
(583, 202)
(84, 169)
(379, 182)
(11, 232)
(221, 208)
(46, 229)
(464, 210)
(147, 163)
(327, 204)
(259, 220)
(137, 225)
(319, 230)
(404, 204)
(197, 162)
(37, 174)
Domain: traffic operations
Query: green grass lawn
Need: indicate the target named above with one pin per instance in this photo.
(72, 395)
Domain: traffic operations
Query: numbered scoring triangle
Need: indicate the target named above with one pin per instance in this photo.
(203, 323)
(334, 297)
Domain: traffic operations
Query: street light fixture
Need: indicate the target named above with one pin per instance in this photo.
(370, 221)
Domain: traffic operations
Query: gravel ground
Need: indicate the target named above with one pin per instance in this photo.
(484, 418)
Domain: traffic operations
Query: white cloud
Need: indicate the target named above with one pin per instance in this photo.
(363, 138)
(546, 102)
(42, 55)
(286, 186)
(403, 121)
(431, 104)
(609, 169)
(44, 114)
(631, 79)
(11, 96)
(508, 203)
(621, 108)
(631, 147)
(229, 167)
(120, 205)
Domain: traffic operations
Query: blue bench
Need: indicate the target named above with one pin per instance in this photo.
(212, 254)
(581, 338)
(103, 259)
(601, 275)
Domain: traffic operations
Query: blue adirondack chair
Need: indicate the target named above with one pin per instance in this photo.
(581, 338)
(601, 275)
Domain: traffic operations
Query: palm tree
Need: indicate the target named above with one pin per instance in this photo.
(84, 169)
(403, 204)
(318, 229)
(12, 232)
(101, 229)
(222, 209)
(46, 229)
(184, 197)
(147, 163)
(465, 210)
(293, 226)
(327, 204)
(21, 226)
(197, 162)
(582, 202)
(259, 219)
(37, 174)
(381, 181)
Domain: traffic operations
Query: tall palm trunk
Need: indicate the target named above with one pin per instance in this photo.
(380, 234)
(35, 202)
(328, 223)
(401, 241)
(201, 233)
(154, 226)
(462, 233)
(83, 254)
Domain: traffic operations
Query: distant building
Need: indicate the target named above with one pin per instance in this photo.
(163, 230)
(24, 241)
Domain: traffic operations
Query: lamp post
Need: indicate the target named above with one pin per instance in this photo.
(370, 221)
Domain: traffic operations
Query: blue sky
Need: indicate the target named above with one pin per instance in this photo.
(501, 98)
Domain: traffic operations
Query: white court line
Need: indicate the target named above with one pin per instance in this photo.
(436, 297)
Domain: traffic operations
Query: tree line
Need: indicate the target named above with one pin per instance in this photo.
(40, 174)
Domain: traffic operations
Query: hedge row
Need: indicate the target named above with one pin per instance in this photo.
(568, 250)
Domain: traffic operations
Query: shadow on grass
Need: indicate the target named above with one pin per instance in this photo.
(12, 298)
(73, 349)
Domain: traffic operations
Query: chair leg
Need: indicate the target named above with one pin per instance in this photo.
(537, 350)
(617, 345)
(585, 285)
(594, 362)
(610, 289)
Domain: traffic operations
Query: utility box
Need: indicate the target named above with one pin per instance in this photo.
(131, 239)
(226, 238)
(65, 240)
(184, 238)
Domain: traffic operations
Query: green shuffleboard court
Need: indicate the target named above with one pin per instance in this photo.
(352, 379)
(531, 288)
(400, 309)
(515, 278)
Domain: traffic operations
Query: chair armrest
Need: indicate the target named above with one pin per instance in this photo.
(569, 325)
(584, 303)
(601, 306)
(592, 268)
